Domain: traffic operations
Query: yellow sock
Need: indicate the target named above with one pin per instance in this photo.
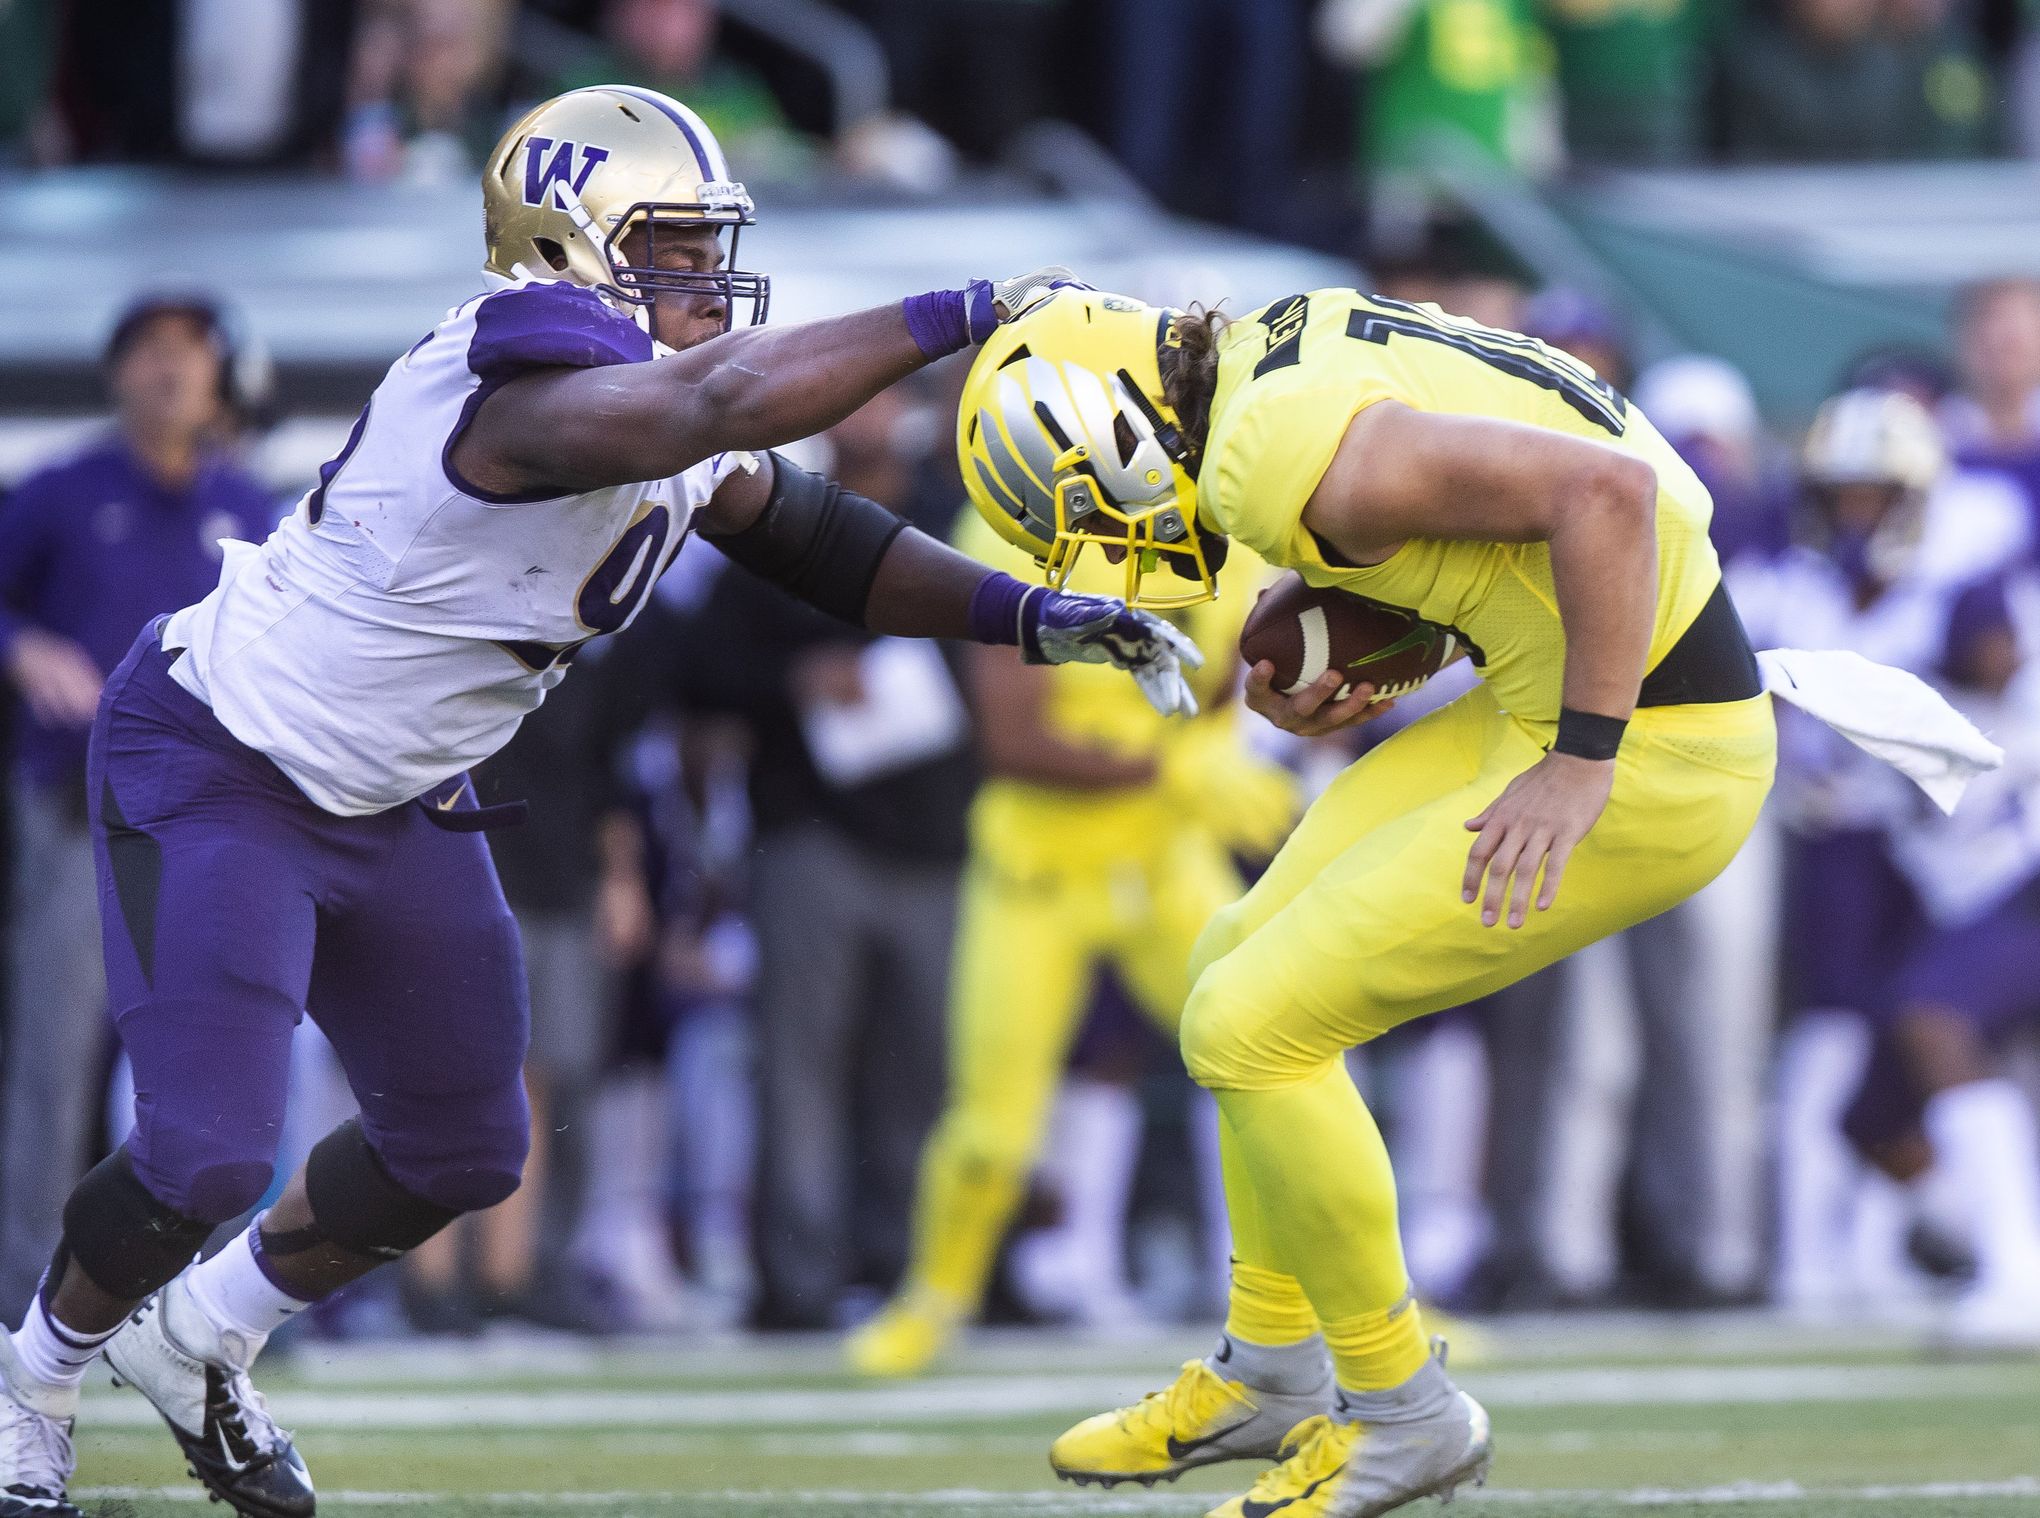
(1324, 1204)
(1373, 1351)
(1267, 1307)
(960, 1217)
(1264, 1305)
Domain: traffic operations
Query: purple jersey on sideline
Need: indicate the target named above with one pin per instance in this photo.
(92, 547)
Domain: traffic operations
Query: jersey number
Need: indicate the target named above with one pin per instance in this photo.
(614, 587)
(613, 590)
(1519, 357)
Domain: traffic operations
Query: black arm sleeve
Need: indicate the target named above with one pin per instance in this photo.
(817, 540)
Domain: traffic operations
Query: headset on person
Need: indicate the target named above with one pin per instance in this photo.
(247, 378)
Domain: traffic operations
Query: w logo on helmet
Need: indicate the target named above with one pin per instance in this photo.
(548, 164)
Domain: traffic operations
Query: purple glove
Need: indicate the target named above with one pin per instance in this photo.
(1055, 627)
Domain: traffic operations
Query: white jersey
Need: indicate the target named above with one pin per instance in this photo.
(400, 623)
(1965, 864)
(1803, 599)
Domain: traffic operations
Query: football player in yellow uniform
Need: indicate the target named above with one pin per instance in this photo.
(1102, 835)
(1610, 764)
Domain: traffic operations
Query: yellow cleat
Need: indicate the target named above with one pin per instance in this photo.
(1355, 1470)
(1199, 1419)
(907, 1337)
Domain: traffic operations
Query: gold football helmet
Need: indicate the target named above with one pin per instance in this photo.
(1874, 437)
(1065, 440)
(1869, 461)
(578, 172)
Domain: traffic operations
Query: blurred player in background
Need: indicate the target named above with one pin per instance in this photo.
(278, 773)
(1100, 837)
(1887, 536)
(1969, 984)
(1610, 765)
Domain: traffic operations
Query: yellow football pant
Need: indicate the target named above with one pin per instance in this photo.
(1358, 926)
(1027, 950)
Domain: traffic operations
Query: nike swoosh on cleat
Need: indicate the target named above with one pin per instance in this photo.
(1180, 1448)
(1252, 1509)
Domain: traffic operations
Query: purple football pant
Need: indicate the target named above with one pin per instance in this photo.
(1981, 973)
(230, 905)
(1986, 972)
(1850, 919)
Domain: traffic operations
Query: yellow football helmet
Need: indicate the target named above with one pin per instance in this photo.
(1065, 440)
(578, 172)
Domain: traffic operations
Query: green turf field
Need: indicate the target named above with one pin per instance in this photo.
(1740, 1418)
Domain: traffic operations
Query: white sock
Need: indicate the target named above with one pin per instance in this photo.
(1820, 1063)
(1985, 1137)
(236, 1295)
(51, 1353)
(1293, 1370)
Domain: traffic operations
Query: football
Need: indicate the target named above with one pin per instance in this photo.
(1304, 632)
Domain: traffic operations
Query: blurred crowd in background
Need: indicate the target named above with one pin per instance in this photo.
(1278, 113)
(738, 920)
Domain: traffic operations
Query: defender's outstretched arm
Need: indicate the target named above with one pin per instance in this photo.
(562, 431)
(854, 559)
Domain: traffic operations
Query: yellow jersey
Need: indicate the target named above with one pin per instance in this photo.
(1033, 829)
(1292, 375)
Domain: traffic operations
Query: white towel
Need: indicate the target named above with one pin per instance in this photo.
(1886, 712)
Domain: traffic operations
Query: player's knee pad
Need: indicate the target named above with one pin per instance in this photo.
(357, 1204)
(463, 1150)
(208, 1171)
(225, 1190)
(477, 1187)
(1222, 934)
(1220, 1036)
(126, 1240)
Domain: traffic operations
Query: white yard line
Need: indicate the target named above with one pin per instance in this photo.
(956, 1399)
(722, 1357)
(1742, 1494)
(896, 1444)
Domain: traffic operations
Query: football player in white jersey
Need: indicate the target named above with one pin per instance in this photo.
(1967, 988)
(278, 773)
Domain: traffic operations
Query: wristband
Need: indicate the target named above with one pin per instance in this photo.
(943, 322)
(1588, 735)
(995, 609)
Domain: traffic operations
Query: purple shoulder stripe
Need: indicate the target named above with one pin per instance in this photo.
(546, 326)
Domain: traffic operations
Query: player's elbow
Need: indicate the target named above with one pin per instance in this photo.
(1605, 495)
(723, 411)
(1623, 487)
(698, 414)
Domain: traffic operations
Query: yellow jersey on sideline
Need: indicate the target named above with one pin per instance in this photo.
(1035, 828)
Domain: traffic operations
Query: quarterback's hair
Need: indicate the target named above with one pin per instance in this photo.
(1190, 374)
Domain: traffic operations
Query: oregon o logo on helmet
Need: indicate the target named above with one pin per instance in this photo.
(547, 164)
